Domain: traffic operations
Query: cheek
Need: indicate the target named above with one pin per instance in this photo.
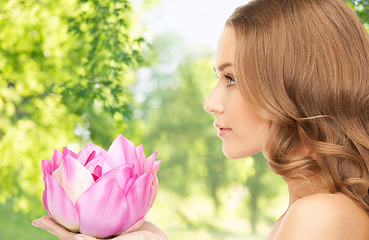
(248, 122)
(247, 134)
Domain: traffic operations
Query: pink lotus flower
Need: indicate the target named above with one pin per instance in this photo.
(100, 193)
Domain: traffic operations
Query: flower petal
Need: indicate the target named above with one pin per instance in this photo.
(59, 206)
(97, 173)
(44, 200)
(89, 159)
(84, 154)
(73, 177)
(102, 209)
(149, 163)
(141, 156)
(121, 152)
(46, 167)
(136, 226)
(156, 167)
(66, 152)
(139, 198)
(56, 159)
(92, 164)
(120, 175)
(130, 183)
(155, 190)
(156, 181)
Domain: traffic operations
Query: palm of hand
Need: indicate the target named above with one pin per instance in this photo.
(147, 231)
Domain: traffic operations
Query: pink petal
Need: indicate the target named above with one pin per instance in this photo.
(73, 177)
(66, 152)
(97, 173)
(149, 163)
(96, 162)
(56, 159)
(59, 206)
(44, 200)
(129, 184)
(155, 190)
(90, 158)
(139, 198)
(120, 175)
(156, 167)
(136, 226)
(46, 167)
(141, 156)
(121, 152)
(102, 209)
(156, 181)
(84, 154)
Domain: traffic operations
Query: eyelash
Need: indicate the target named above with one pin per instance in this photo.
(230, 80)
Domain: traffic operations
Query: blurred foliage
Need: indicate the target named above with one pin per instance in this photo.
(361, 8)
(15, 225)
(65, 71)
(174, 122)
(191, 146)
(261, 183)
(67, 77)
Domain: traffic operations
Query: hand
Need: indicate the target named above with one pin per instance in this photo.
(48, 224)
(148, 231)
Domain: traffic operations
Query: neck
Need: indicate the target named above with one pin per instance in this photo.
(298, 189)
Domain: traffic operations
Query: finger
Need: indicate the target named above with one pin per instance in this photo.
(139, 235)
(147, 231)
(48, 224)
(83, 237)
(150, 227)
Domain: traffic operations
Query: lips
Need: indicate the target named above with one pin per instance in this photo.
(222, 130)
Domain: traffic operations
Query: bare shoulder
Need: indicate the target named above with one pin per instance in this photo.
(324, 216)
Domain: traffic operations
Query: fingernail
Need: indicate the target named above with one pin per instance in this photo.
(37, 223)
(78, 237)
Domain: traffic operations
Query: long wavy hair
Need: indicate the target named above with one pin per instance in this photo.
(304, 65)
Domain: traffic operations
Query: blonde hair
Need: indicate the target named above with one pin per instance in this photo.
(304, 65)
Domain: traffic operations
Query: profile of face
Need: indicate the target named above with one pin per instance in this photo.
(241, 130)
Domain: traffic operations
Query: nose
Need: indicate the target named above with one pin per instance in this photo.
(214, 103)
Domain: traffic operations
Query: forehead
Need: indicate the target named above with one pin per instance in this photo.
(225, 49)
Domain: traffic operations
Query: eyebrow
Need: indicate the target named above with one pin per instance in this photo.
(223, 66)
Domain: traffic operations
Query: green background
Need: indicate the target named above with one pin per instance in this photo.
(79, 71)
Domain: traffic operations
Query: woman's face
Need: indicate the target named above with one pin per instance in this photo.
(241, 130)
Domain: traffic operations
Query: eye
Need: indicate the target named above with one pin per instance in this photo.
(231, 81)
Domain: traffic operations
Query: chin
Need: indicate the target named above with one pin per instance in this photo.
(233, 153)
